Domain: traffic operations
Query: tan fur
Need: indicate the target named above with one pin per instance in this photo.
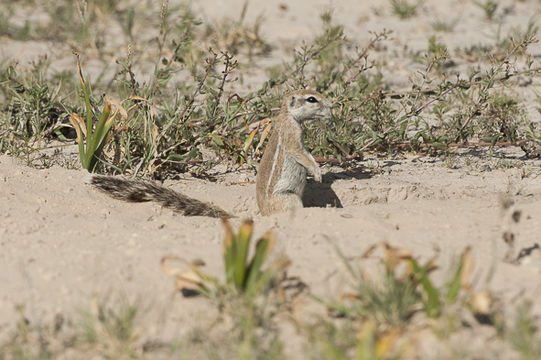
(281, 175)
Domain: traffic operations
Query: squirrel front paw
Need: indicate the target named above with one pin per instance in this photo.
(317, 174)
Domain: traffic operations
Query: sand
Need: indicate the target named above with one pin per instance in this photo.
(63, 244)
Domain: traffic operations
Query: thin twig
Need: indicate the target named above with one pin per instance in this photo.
(462, 84)
(313, 55)
(333, 160)
(188, 109)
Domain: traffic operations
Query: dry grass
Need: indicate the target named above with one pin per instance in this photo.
(194, 100)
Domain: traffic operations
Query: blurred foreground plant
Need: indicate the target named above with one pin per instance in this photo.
(405, 289)
(243, 275)
(381, 309)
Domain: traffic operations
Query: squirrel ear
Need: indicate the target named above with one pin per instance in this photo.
(292, 101)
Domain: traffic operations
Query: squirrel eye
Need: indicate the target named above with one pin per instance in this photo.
(311, 99)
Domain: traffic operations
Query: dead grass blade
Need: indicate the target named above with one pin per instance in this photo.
(193, 280)
(264, 134)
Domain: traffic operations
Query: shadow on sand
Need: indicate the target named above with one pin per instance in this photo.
(322, 195)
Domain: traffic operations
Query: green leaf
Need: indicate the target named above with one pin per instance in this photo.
(87, 98)
(241, 252)
(97, 137)
(262, 248)
(249, 141)
(433, 304)
(454, 284)
(217, 140)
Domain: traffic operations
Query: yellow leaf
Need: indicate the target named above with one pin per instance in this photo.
(118, 107)
(79, 71)
(467, 269)
(264, 134)
(136, 97)
(246, 228)
(249, 140)
(193, 279)
(394, 256)
(194, 265)
(386, 343)
(78, 124)
(481, 303)
(270, 236)
(366, 254)
(228, 239)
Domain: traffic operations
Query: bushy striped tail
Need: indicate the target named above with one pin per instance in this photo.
(141, 191)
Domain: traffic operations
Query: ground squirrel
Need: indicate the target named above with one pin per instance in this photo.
(280, 179)
(281, 176)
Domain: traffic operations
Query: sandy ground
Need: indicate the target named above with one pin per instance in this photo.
(63, 243)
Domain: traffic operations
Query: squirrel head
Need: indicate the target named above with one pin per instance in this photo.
(306, 105)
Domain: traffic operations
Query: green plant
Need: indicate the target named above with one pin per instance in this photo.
(173, 123)
(5, 14)
(32, 109)
(234, 36)
(34, 117)
(517, 40)
(524, 334)
(403, 9)
(256, 333)
(350, 340)
(246, 276)
(247, 296)
(92, 135)
(435, 48)
(392, 308)
(489, 7)
(402, 291)
(444, 26)
(110, 328)
(243, 275)
(22, 342)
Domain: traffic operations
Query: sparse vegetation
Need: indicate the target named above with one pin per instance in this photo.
(384, 318)
(388, 306)
(524, 334)
(404, 9)
(243, 276)
(198, 105)
(444, 26)
(157, 139)
(110, 328)
(489, 7)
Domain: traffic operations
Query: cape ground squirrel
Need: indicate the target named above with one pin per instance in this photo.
(281, 176)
